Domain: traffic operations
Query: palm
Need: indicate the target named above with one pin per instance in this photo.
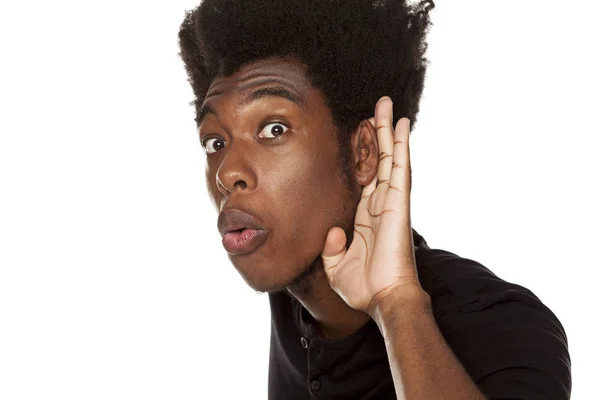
(380, 257)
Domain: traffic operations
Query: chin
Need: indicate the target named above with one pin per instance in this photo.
(270, 277)
(267, 285)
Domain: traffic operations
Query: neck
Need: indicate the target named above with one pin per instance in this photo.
(333, 318)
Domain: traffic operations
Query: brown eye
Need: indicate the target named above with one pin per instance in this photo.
(271, 131)
(212, 145)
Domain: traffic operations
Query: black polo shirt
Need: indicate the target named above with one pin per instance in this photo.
(512, 346)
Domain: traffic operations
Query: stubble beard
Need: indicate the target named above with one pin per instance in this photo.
(314, 273)
(302, 285)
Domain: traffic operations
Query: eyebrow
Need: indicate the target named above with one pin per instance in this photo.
(273, 91)
(204, 111)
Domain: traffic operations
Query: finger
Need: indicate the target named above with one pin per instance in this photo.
(401, 172)
(385, 138)
(362, 211)
(334, 249)
(368, 190)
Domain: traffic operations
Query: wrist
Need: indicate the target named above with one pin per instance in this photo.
(400, 306)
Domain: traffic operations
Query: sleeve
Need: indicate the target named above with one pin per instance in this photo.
(512, 346)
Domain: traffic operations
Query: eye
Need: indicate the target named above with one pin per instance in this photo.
(212, 145)
(271, 131)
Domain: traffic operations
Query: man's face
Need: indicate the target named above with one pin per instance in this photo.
(272, 152)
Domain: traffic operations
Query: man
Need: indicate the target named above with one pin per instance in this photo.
(299, 107)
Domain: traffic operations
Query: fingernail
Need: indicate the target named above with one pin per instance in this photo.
(383, 98)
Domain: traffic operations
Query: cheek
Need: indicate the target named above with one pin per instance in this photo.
(303, 176)
(307, 192)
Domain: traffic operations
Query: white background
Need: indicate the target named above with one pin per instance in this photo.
(113, 282)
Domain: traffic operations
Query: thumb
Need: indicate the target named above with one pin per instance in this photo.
(334, 250)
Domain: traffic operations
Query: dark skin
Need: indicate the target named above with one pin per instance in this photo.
(274, 153)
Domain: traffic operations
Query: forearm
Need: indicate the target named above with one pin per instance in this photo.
(422, 364)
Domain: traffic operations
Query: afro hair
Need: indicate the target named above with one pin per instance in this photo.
(354, 51)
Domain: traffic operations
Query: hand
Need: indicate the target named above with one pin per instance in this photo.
(380, 260)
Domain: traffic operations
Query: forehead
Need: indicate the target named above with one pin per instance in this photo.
(278, 71)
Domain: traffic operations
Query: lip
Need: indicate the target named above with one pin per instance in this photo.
(244, 242)
(241, 232)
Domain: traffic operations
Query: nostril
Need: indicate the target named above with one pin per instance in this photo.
(241, 184)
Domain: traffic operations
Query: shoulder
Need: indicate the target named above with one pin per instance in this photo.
(458, 283)
(512, 345)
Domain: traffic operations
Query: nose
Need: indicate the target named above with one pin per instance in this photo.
(235, 172)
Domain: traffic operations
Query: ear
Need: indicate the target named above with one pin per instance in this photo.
(365, 152)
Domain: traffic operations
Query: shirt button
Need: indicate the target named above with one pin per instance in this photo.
(304, 342)
(315, 384)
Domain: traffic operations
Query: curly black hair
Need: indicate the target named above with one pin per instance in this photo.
(354, 51)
